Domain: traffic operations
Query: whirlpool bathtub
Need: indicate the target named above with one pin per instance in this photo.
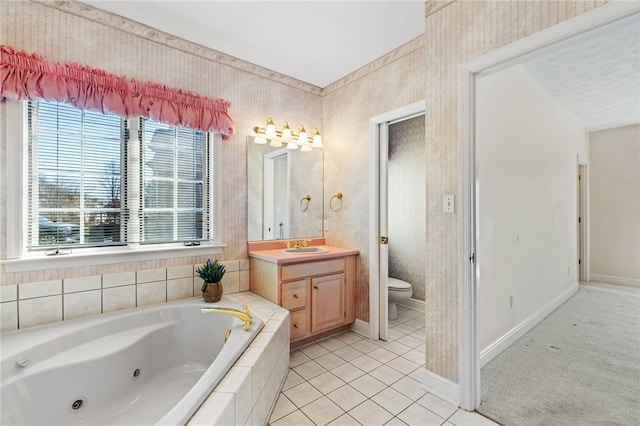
(153, 365)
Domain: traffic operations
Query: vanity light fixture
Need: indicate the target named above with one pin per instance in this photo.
(293, 141)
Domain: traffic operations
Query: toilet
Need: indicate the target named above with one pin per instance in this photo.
(398, 291)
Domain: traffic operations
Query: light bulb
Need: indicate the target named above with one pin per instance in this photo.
(292, 145)
(317, 139)
(286, 132)
(259, 140)
(270, 132)
(276, 143)
(302, 136)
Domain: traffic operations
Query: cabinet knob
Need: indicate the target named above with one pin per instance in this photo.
(315, 286)
(295, 296)
(295, 325)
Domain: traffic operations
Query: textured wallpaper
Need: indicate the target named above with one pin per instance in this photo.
(406, 203)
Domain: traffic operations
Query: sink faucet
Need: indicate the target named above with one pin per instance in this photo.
(244, 316)
(302, 243)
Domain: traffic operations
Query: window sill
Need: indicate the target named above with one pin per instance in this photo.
(106, 256)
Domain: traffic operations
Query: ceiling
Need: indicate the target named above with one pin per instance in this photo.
(317, 42)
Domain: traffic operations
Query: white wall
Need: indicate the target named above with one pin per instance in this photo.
(614, 205)
(527, 147)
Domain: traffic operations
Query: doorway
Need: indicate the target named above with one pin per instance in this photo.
(379, 224)
(583, 260)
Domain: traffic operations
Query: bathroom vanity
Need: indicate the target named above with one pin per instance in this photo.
(318, 288)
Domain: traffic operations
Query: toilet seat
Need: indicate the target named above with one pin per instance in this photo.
(399, 285)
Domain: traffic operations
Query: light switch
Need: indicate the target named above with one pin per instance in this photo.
(448, 204)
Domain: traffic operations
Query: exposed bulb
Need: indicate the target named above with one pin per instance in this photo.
(317, 139)
(302, 136)
(286, 132)
(270, 131)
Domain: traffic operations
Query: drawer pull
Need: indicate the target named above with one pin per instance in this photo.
(295, 325)
(295, 295)
(315, 286)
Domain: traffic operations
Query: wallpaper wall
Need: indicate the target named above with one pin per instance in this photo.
(406, 203)
(456, 32)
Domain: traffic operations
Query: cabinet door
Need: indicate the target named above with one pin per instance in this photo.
(327, 302)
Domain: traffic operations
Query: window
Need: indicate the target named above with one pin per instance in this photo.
(97, 180)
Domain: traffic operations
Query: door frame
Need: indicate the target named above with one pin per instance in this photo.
(378, 306)
(583, 224)
(268, 191)
(497, 60)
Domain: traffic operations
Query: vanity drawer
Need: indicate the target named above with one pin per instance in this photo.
(298, 325)
(307, 269)
(294, 295)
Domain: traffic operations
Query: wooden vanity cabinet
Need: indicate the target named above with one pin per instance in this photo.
(320, 294)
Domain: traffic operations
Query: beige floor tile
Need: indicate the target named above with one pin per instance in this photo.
(348, 353)
(322, 411)
(410, 388)
(292, 380)
(347, 397)
(440, 407)
(302, 394)
(397, 348)
(347, 372)
(364, 346)
(349, 337)
(296, 358)
(392, 401)
(416, 414)
(386, 375)
(416, 356)
(297, 418)
(332, 343)
(403, 365)
(365, 363)
(410, 341)
(368, 385)
(383, 355)
(395, 334)
(326, 382)
(404, 328)
(309, 370)
(330, 361)
(370, 414)
(314, 350)
(395, 422)
(283, 407)
(344, 420)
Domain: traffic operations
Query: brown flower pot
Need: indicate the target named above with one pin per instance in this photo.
(212, 292)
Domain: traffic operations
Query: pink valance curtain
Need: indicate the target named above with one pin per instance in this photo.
(28, 76)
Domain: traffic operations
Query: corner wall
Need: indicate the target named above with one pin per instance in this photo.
(527, 146)
(614, 206)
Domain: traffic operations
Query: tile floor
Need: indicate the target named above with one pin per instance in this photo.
(350, 380)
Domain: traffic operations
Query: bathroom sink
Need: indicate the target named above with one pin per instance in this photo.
(305, 250)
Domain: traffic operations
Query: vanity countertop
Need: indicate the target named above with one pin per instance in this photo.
(277, 255)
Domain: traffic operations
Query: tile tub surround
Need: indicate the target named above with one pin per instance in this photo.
(248, 393)
(36, 303)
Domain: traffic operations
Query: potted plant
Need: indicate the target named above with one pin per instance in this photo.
(211, 274)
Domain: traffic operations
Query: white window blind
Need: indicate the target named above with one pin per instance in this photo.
(89, 185)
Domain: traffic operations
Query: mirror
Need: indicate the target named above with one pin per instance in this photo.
(284, 192)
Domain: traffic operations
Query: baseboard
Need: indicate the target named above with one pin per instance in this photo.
(362, 328)
(439, 386)
(518, 331)
(416, 304)
(608, 279)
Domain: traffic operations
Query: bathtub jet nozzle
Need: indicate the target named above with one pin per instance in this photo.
(244, 316)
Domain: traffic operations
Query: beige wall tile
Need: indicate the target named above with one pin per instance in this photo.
(211, 414)
(118, 279)
(117, 298)
(151, 275)
(72, 285)
(180, 272)
(244, 281)
(82, 303)
(231, 282)
(180, 288)
(231, 265)
(39, 289)
(41, 310)
(151, 293)
(8, 316)
(244, 264)
(8, 293)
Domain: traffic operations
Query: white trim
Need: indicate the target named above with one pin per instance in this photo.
(14, 167)
(439, 386)
(407, 111)
(362, 328)
(469, 371)
(105, 256)
(416, 304)
(521, 329)
(610, 279)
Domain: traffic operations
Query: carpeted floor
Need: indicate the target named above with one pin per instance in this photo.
(579, 366)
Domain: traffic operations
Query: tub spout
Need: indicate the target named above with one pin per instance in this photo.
(244, 316)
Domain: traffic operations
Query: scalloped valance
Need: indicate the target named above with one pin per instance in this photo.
(27, 76)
